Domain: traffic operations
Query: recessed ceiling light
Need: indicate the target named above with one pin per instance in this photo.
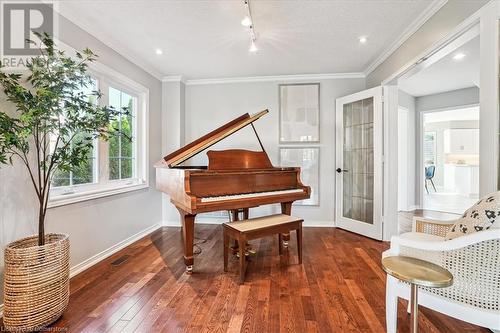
(459, 56)
(363, 39)
(246, 22)
(159, 52)
(253, 48)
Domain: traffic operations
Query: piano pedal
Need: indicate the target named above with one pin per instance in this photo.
(248, 254)
(250, 251)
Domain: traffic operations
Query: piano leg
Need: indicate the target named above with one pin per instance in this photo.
(188, 238)
(286, 208)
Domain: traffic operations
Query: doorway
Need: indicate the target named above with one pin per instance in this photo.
(450, 156)
(441, 98)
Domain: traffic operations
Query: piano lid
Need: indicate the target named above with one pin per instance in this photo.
(208, 140)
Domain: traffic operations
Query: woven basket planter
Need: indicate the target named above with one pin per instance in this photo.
(36, 282)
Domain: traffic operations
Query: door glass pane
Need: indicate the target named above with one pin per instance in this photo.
(358, 161)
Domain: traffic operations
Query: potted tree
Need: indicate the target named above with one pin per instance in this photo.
(53, 128)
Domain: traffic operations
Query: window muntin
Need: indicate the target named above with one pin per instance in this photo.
(122, 141)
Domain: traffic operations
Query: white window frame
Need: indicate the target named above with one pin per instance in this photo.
(102, 186)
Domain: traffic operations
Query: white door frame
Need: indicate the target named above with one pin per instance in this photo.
(488, 17)
(374, 230)
(403, 160)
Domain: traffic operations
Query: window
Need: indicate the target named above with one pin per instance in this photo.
(85, 172)
(119, 164)
(121, 144)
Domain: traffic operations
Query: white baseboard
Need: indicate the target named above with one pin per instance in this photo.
(210, 220)
(320, 224)
(78, 268)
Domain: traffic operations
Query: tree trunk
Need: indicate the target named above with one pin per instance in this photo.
(41, 225)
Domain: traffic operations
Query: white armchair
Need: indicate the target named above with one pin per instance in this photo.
(474, 261)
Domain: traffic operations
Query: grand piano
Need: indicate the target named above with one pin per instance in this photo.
(234, 180)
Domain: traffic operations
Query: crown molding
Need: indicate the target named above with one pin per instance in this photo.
(173, 78)
(406, 34)
(298, 77)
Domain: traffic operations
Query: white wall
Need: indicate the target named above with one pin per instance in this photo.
(94, 225)
(408, 102)
(449, 99)
(211, 105)
(172, 132)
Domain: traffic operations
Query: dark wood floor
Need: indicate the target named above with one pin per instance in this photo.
(339, 288)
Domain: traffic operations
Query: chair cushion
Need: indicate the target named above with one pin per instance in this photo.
(262, 222)
(420, 236)
(482, 216)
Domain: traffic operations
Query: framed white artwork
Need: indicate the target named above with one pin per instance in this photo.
(307, 158)
(299, 113)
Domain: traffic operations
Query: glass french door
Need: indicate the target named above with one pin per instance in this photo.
(359, 165)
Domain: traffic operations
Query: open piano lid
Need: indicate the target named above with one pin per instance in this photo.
(208, 140)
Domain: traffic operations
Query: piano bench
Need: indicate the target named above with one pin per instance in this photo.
(249, 229)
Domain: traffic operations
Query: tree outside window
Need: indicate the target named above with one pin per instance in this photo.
(121, 147)
(84, 172)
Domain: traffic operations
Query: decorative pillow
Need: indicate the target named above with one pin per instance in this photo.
(482, 216)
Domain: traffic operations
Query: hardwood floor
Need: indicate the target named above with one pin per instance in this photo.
(339, 288)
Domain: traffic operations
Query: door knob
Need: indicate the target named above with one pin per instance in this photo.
(339, 170)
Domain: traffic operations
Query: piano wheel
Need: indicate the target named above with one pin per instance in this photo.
(189, 269)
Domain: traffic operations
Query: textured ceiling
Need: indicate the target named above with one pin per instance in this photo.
(204, 39)
(447, 74)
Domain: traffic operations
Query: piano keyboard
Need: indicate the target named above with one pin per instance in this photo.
(250, 195)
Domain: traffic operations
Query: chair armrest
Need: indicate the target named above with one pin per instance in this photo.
(432, 227)
(444, 245)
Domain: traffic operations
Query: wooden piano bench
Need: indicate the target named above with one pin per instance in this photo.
(245, 230)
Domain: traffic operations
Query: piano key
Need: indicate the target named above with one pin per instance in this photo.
(250, 195)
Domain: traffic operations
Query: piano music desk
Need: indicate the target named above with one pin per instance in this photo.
(245, 230)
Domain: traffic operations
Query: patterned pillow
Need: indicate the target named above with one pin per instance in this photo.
(482, 216)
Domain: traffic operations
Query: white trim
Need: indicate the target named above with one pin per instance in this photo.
(67, 199)
(406, 34)
(297, 77)
(454, 33)
(414, 207)
(173, 78)
(488, 99)
(214, 220)
(78, 268)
